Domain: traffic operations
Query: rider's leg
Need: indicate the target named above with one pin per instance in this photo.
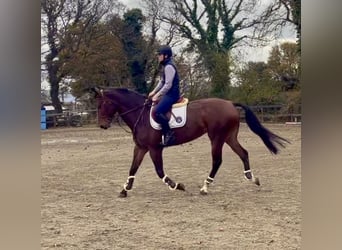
(162, 108)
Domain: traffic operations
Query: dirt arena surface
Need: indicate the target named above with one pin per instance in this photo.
(84, 169)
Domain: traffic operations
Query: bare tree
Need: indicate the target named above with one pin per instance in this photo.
(158, 32)
(215, 27)
(57, 16)
(283, 12)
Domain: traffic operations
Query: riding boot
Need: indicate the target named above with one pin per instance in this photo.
(169, 138)
(168, 133)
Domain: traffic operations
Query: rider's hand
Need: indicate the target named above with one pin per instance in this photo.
(150, 95)
(155, 98)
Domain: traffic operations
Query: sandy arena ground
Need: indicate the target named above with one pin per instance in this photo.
(84, 169)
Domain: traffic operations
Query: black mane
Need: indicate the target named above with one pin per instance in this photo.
(131, 97)
(125, 91)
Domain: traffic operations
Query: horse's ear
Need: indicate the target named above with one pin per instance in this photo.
(97, 91)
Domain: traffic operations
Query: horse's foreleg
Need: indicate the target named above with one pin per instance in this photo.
(216, 153)
(138, 156)
(157, 159)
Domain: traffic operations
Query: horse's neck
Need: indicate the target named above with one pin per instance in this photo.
(128, 103)
(130, 109)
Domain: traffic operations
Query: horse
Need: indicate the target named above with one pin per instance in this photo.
(217, 117)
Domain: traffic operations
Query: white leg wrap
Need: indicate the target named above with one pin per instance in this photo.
(249, 171)
(164, 178)
(126, 184)
(204, 189)
(207, 181)
(173, 188)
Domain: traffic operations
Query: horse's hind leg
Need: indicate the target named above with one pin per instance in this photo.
(138, 156)
(216, 153)
(243, 154)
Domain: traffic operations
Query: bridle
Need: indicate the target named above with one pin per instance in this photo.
(133, 109)
(142, 107)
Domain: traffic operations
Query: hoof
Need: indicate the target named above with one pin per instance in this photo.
(248, 176)
(123, 194)
(256, 181)
(181, 186)
(202, 192)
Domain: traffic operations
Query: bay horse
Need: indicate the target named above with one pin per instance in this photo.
(219, 118)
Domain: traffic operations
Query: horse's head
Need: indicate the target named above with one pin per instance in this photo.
(106, 108)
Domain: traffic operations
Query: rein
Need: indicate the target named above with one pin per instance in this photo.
(131, 110)
(139, 117)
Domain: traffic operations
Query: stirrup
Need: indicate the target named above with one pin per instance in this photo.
(168, 140)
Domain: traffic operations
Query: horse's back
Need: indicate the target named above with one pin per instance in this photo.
(213, 110)
(215, 105)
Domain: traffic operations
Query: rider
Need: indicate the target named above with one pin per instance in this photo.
(166, 93)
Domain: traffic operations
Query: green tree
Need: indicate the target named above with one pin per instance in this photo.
(284, 64)
(134, 43)
(256, 86)
(274, 82)
(296, 19)
(99, 60)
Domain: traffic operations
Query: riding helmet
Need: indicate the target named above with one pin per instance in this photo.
(165, 50)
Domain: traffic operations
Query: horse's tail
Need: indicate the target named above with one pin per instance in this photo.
(270, 139)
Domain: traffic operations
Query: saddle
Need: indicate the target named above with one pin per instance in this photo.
(177, 115)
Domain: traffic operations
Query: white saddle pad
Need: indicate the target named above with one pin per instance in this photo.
(177, 120)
